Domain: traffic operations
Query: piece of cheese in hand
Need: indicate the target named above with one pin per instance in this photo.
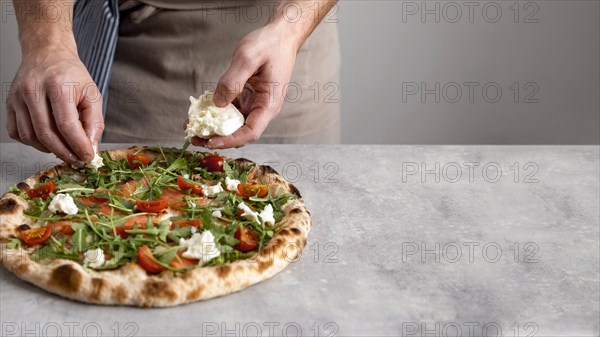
(97, 162)
(207, 120)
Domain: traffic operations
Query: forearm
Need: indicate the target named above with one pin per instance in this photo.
(45, 24)
(298, 18)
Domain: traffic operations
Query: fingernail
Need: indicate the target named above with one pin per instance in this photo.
(211, 144)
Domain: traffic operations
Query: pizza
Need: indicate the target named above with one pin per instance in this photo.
(152, 227)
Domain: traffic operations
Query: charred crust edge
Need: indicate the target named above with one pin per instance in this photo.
(242, 162)
(7, 205)
(268, 170)
(296, 210)
(66, 278)
(294, 190)
(23, 186)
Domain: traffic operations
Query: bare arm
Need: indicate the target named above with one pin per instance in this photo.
(38, 30)
(261, 67)
(54, 104)
(300, 17)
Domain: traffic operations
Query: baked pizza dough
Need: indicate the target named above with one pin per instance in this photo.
(130, 283)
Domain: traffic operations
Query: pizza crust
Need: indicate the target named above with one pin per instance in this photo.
(130, 284)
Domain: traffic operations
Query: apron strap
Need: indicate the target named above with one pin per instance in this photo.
(139, 10)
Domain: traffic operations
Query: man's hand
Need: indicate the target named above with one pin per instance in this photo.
(50, 90)
(261, 66)
(54, 105)
(260, 70)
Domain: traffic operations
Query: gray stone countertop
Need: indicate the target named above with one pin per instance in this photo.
(406, 240)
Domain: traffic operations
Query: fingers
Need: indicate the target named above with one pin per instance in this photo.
(11, 123)
(256, 123)
(25, 130)
(197, 141)
(68, 124)
(47, 132)
(91, 115)
(231, 84)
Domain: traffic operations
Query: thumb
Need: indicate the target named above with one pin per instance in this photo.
(91, 114)
(231, 84)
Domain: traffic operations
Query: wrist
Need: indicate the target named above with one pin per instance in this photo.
(33, 43)
(287, 33)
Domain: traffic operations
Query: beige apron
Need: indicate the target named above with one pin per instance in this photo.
(172, 54)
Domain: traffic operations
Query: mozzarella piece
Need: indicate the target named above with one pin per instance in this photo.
(167, 214)
(94, 258)
(249, 214)
(97, 162)
(200, 246)
(211, 191)
(267, 215)
(217, 212)
(207, 120)
(63, 203)
(231, 184)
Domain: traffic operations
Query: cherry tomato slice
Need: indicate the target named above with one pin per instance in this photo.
(197, 189)
(63, 227)
(151, 206)
(212, 163)
(36, 236)
(247, 237)
(135, 160)
(185, 185)
(183, 262)
(147, 261)
(251, 190)
(42, 191)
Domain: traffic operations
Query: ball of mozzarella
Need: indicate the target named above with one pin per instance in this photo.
(207, 120)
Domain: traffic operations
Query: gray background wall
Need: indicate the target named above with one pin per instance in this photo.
(390, 51)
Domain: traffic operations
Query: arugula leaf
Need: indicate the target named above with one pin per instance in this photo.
(54, 249)
(179, 232)
(14, 189)
(13, 243)
(80, 237)
(163, 230)
(121, 204)
(166, 255)
(230, 172)
(36, 207)
(74, 189)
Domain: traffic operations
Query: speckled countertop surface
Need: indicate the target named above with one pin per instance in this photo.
(406, 240)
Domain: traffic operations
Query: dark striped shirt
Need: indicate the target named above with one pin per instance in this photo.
(95, 26)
